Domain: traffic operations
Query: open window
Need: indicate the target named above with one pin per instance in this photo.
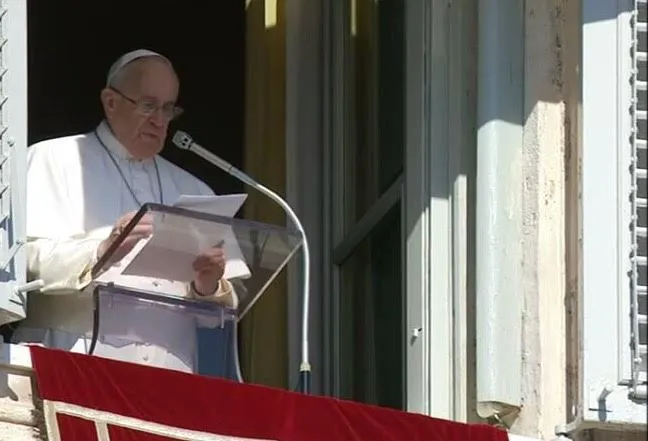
(63, 52)
(231, 61)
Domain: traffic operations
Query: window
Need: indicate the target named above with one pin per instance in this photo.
(371, 310)
(399, 147)
(366, 208)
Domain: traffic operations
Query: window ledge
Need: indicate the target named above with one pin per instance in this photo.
(513, 437)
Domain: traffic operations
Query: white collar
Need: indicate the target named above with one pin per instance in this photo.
(108, 139)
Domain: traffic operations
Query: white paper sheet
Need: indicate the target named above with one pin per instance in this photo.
(226, 205)
(167, 255)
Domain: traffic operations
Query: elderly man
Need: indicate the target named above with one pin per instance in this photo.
(82, 191)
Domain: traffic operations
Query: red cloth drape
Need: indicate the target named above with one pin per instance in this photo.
(223, 407)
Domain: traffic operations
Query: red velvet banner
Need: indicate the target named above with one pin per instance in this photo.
(222, 407)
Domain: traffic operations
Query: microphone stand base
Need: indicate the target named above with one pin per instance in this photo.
(305, 382)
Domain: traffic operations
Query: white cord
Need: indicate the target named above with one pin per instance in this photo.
(237, 361)
(305, 364)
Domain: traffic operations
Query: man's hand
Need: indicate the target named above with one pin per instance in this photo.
(209, 268)
(142, 230)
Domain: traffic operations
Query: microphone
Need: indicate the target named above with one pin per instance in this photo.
(183, 141)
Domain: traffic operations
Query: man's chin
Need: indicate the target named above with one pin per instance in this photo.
(147, 150)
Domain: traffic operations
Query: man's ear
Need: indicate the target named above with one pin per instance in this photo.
(108, 101)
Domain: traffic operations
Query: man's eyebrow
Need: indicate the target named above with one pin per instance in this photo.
(152, 98)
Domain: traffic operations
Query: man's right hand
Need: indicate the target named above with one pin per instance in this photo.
(142, 230)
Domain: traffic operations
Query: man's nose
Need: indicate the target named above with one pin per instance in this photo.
(159, 119)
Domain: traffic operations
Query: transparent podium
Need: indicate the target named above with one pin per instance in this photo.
(145, 308)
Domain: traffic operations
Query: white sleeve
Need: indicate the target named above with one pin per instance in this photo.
(225, 296)
(64, 265)
(58, 250)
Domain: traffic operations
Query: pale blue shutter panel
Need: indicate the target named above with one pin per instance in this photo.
(638, 197)
(612, 358)
(13, 158)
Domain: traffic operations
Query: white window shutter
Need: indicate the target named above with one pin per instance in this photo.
(638, 197)
(613, 197)
(13, 158)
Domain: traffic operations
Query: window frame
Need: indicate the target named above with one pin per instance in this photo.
(431, 365)
(427, 218)
(344, 241)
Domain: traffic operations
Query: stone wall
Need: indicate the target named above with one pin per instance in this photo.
(20, 416)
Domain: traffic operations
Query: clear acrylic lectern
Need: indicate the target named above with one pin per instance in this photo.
(142, 288)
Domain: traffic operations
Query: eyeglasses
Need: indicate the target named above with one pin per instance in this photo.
(148, 106)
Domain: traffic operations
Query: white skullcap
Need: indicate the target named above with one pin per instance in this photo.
(129, 57)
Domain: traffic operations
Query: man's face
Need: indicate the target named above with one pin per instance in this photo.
(140, 110)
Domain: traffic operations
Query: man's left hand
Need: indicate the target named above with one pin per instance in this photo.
(209, 268)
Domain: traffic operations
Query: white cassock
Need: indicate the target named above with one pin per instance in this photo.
(75, 194)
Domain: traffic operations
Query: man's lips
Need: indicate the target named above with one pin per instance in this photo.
(151, 136)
